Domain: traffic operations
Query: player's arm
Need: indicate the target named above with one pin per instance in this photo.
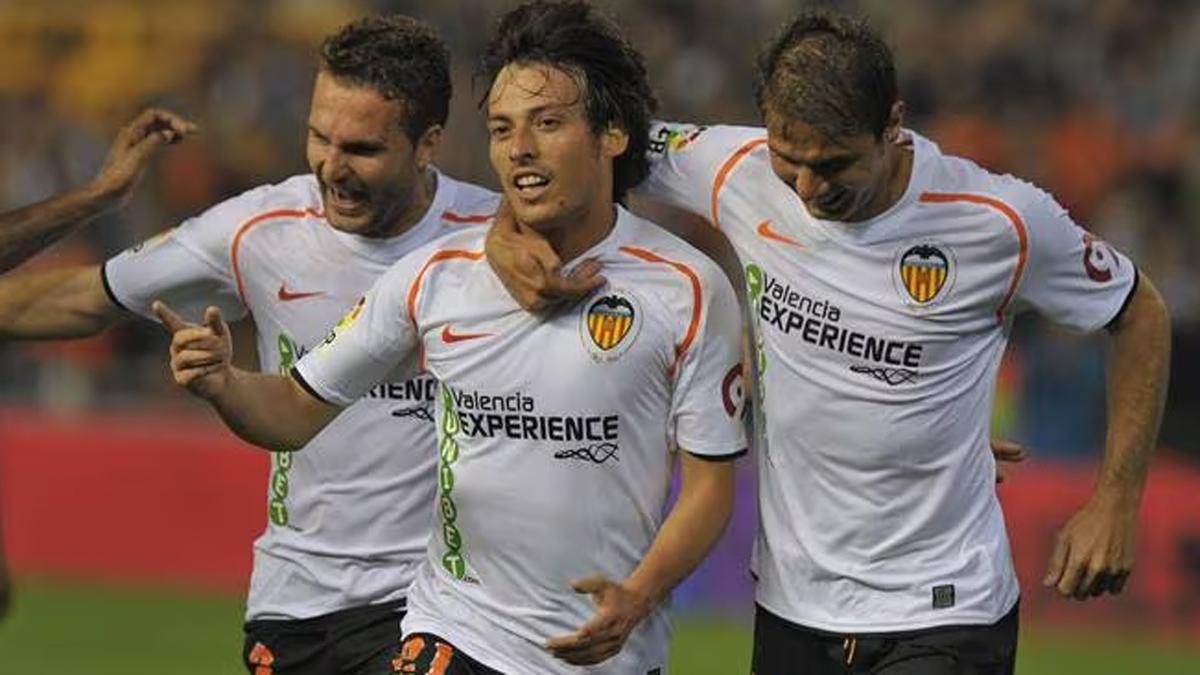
(1094, 552)
(271, 411)
(26, 231)
(685, 538)
(59, 303)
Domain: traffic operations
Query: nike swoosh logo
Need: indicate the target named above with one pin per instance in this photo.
(767, 232)
(449, 336)
(287, 296)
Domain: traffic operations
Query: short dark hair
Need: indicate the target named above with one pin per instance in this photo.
(579, 39)
(401, 58)
(832, 72)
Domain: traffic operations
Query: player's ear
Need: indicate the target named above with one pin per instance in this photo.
(613, 141)
(427, 145)
(895, 122)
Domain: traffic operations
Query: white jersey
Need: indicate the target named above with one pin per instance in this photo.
(878, 344)
(348, 516)
(554, 432)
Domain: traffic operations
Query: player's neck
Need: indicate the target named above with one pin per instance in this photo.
(582, 231)
(899, 173)
(417, 207)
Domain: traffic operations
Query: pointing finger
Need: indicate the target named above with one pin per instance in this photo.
(215, 322)
(173, 322)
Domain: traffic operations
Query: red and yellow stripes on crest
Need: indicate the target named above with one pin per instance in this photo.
(923, 281)
(608, 329)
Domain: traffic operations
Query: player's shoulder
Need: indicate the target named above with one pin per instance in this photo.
(713, 142)
(299, 195)
(295, 197)
(952, 177)
(464, 245)
(673, 258)
(468, 204)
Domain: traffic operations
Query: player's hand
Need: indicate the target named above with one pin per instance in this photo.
(1007, 454)
(201, 355)
(1093, 554)
(530, 269)
(134, 145)
(618, 612)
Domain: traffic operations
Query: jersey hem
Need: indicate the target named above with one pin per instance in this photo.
(893, 628)
(108, 289)
(1137, 279)
(726, 457)
(294, 373)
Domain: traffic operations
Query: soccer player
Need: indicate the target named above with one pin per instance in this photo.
(555, 433)
(350, 516)
(884, 277)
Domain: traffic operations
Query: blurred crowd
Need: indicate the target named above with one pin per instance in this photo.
(1094, 100)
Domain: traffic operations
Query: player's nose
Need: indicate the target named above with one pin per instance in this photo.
(522, 145)
(807, 184)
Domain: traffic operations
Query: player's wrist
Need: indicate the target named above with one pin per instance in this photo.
(643, 596)
(1117, 496)
(100, 195)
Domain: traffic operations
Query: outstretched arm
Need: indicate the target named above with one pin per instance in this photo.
(1094, 552)
(271, 411)
(685, 538)
(26, 231)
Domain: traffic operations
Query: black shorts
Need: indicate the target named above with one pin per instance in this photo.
(784, 648)
(428, 654)
(355, 641)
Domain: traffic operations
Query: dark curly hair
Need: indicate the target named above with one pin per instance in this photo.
(832, 72)
(401, 58)
(577, 38)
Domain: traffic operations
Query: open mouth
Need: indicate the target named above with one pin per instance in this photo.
(345, 201)
(530, 185)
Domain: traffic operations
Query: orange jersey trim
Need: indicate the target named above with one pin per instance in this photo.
(459, 218)
(723, 174)
(235, 247)
(697, 295)
(1013, 218)
(437, 257)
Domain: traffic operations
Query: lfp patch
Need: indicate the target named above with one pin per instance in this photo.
(610, 323)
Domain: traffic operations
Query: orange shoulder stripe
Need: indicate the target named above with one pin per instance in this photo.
(235, 247)
(438, 256)
(1013, 218)
(459, 218)
(697, 295)
(723, 174)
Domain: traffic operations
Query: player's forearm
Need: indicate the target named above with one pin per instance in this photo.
(26, 231)
(55, 304)
(690, 530)
(1137, 387)
(269, 410)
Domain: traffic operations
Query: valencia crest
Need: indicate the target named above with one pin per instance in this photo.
(610, 324)
(925, 273)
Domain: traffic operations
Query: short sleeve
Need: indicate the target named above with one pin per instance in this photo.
(708, 401)
(1072, 277)
(685, 162)
(371, 342)
(187, 267)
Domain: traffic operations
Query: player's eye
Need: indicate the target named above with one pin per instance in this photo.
(498, 131)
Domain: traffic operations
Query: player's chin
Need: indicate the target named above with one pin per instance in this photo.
(540, 216)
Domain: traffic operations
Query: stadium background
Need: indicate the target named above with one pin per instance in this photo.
(128, 512)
